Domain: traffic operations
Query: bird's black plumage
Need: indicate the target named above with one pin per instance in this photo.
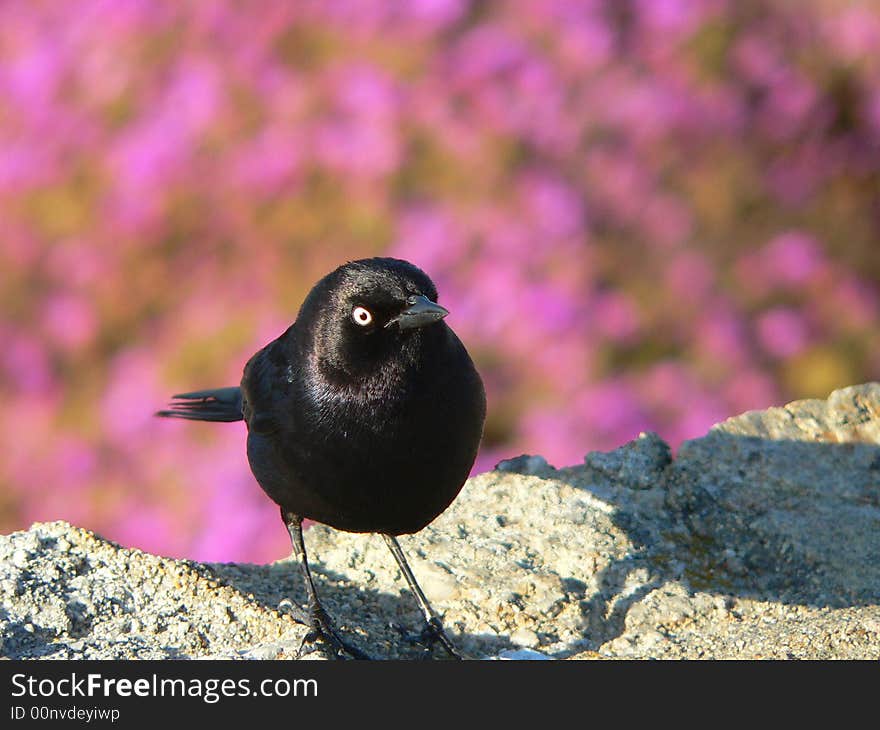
(365, 414)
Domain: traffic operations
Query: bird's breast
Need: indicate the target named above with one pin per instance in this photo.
(380, 454)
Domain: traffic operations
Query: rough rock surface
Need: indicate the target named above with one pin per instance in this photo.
(761, 539)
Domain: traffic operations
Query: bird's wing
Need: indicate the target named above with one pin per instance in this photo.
(265, 386)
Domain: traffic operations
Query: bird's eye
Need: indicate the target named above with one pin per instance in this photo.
(361, 316)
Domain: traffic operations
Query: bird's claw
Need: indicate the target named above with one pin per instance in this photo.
(433, 632)
(321, 628)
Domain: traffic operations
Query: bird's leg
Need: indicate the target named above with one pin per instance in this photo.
(433, 625)
(315, 616)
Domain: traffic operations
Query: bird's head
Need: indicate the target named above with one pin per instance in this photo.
(371, 314)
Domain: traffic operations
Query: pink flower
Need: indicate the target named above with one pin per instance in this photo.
(615, 316)
(69, 320)
(793, 258)
(782, 332)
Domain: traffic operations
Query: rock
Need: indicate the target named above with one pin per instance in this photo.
(525, 637)
(786, 502)
(521, 655)
(639, 464)
(759, 540)
(525, 464)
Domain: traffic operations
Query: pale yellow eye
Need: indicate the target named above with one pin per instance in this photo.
(361, 316)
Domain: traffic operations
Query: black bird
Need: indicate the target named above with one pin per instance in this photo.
(364, 415)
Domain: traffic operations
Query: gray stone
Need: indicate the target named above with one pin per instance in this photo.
(759, 540)
(787, 501)
(525, 637)
(640, 464)
(521, 655)
(525, 464)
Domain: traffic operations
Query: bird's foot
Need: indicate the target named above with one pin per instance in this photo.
(316, 618)
(431, 634)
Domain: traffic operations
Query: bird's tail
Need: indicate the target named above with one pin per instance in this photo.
(219, 404)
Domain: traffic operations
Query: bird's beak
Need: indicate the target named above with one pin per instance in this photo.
(420, 312)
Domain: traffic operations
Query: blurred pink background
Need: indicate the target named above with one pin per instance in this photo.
(643, 214)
